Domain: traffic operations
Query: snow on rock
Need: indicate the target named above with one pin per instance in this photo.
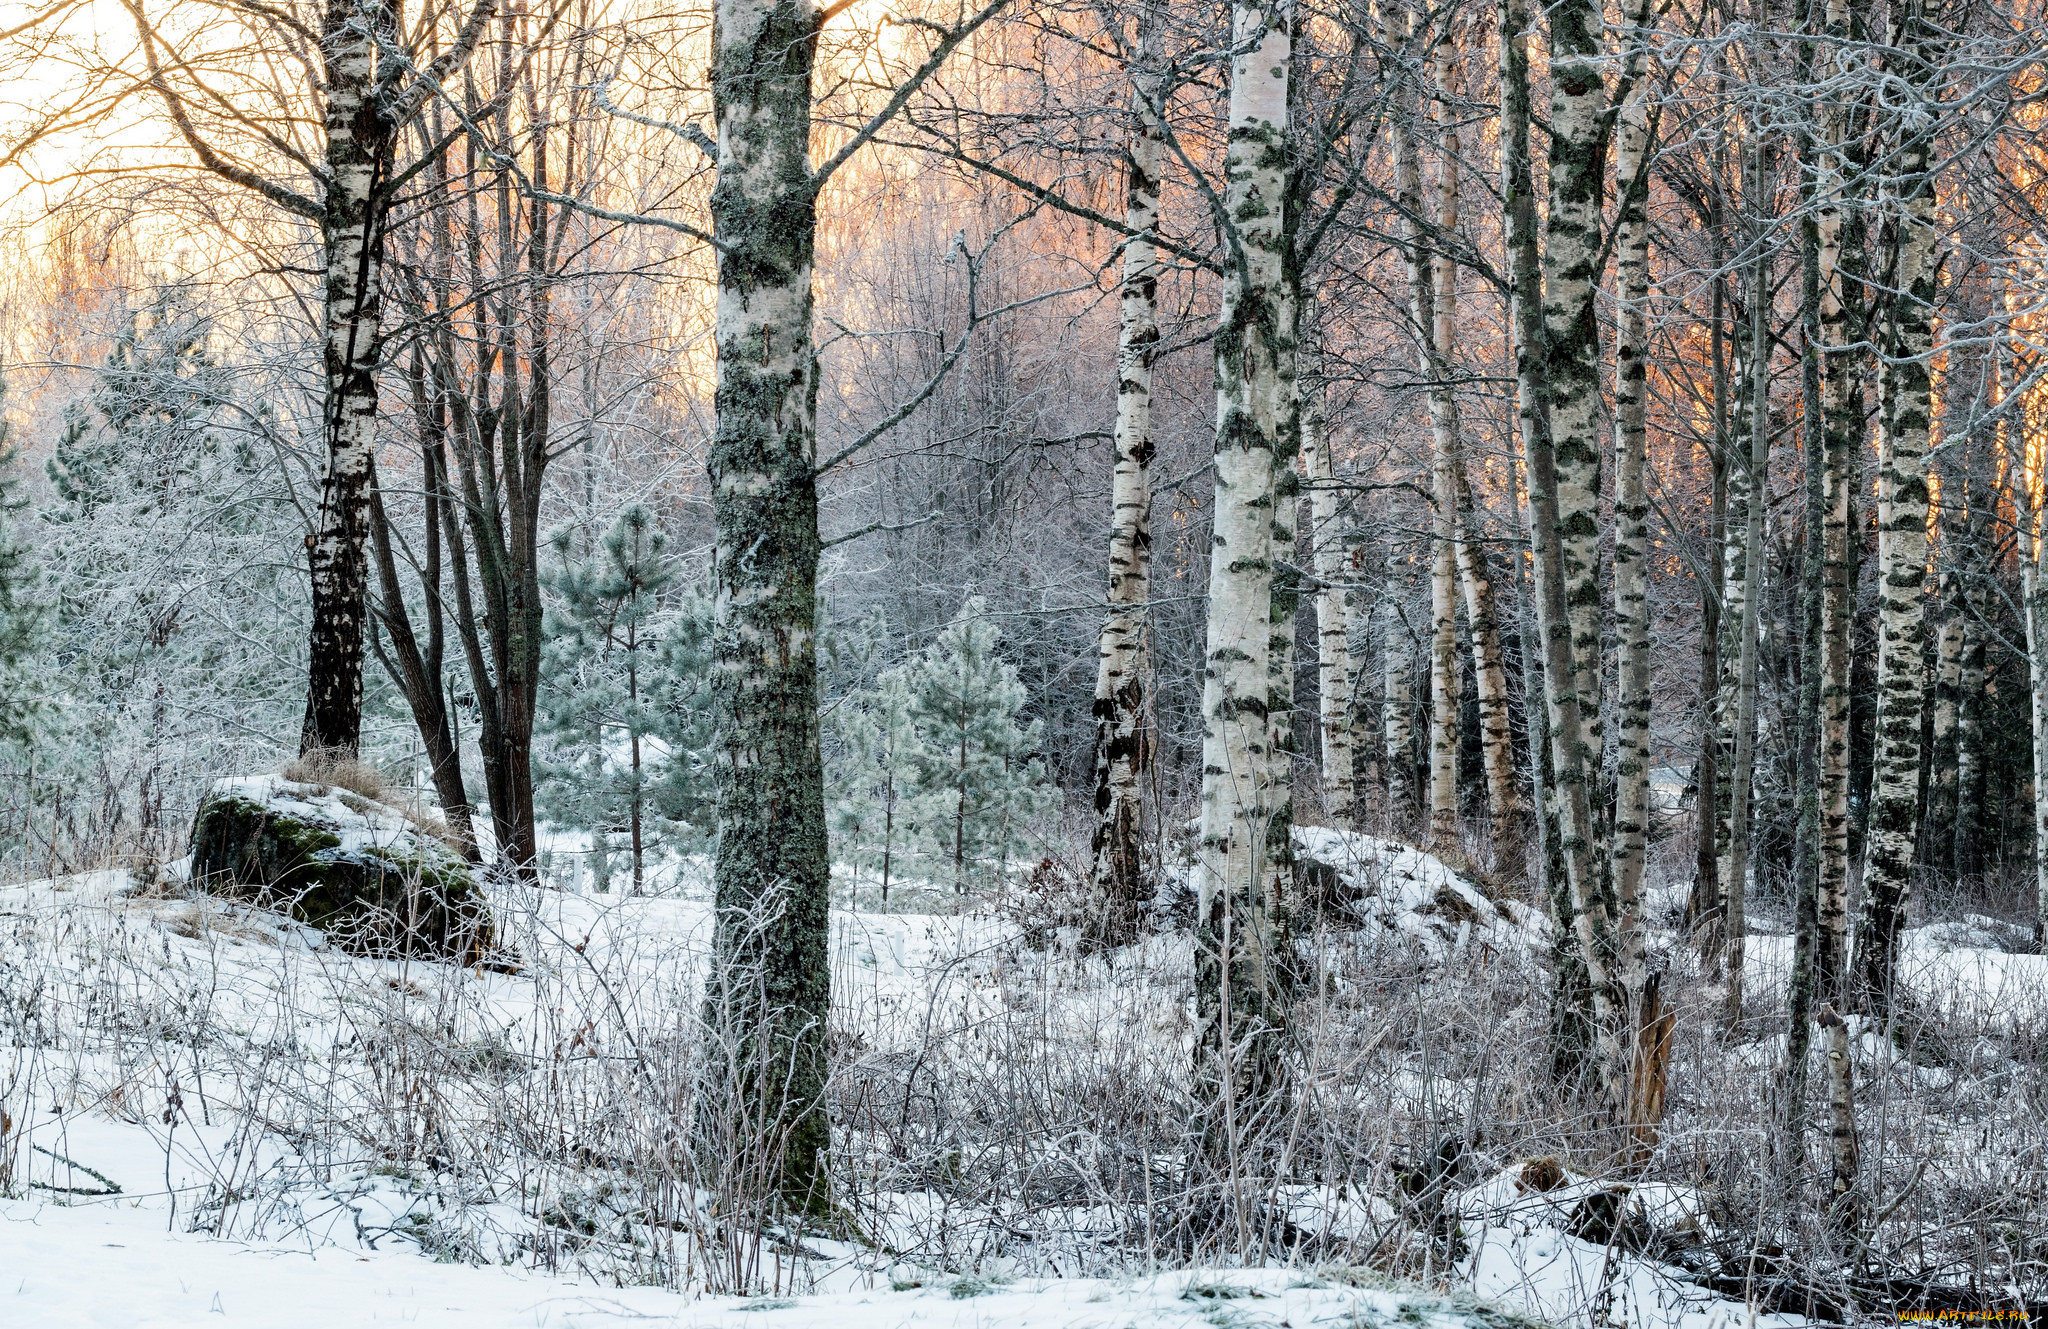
(372, 877)
(1405, 890)
(1542, 1193)
(1972, 932)
(1573, 1250)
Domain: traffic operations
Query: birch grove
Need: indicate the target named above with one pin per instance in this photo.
(1385, 604)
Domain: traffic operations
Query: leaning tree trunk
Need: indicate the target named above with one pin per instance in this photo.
(1336, 674)
(416, 667)
(1240, 972)
(1905, 417)
(770, 982)
(359, 147)
(1555, 333)
(1123, 740)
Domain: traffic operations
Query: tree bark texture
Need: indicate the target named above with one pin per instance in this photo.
(771, 977)
(1240, 979)
(1123, 739)
(1905, 419)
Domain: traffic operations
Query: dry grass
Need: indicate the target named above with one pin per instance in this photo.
(337, 769)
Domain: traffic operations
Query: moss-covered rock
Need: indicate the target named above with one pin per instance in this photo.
(360, 871)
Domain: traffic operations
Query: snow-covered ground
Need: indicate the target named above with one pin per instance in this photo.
(216, 1119)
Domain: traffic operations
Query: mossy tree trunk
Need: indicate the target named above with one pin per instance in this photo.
(770, 986)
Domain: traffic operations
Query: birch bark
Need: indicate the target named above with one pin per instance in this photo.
(1571, 255)
(1577, 170)
(359, 150)
(1123, 740)
(1240, 971)
(1840, 228)
(1735, 866)
(1632, 529)
(1905, 416)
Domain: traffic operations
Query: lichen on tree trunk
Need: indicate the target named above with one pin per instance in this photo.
(769, 991)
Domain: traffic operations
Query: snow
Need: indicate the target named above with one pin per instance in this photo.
(317, 1235)
(361, 823)
(1414, 894)
(109, 1264)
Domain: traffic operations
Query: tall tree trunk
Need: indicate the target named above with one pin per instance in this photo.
(1561, 283)
(358, 159)
(771, 881)
(1839, 226)
(1571, 255)
(1123, 741)
(1905, 416)
(1743, 601)
(1336, 672)
(1632, 525)
(1241, 982)
(1710, 774)
(416, 667)
(2033, 561)
(1802, 983)
(1446, 467)
(1489, 669)
(1432, 296)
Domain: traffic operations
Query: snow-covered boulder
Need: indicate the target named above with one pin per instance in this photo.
(1398, 887)
(377, 882)
(1973, 932)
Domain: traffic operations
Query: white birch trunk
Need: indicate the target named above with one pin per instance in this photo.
(1905, 417)
(1240, 982)
(1632, 532)
(1841, 400)
(1122, 739)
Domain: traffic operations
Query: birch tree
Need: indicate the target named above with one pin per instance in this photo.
(1556, 342)
(1122, 735)
(1840, 228)
(1240, 981)
(1336, 669)
(369, 79)
(1905, 415)
(1631, 514)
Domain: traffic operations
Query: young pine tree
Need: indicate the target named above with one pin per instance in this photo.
(876, 784)
(621, 676)
(980, 783)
